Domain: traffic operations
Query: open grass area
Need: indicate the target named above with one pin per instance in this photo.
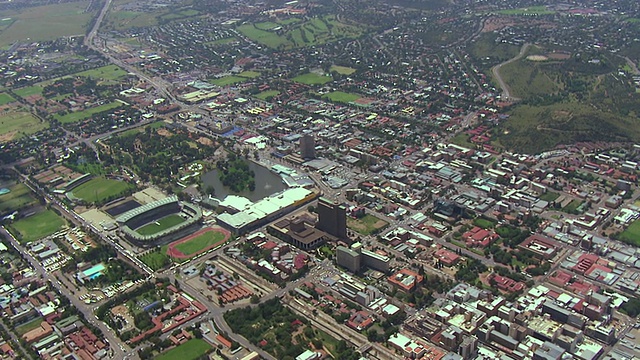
(267, 38)
(17, 124)
(341, 97)
(631, 235)
(267, 94)
(156, 259)
(37, 226)
(528, 79)
(485, 48)
(191, 350)
(109, 72)
(100, 189)
(81, 115)
(160, 225)
(28, 326)
(49, 22)
(550, 196)
(572, 207)
(484, 223)
(532, 10)
(249, 74)
(227, 80)
(28, 91)
(343, 70)
(312, 79)
(200, 242)
(6, 98)
(19, 197)
(223, 41)
(366, 225)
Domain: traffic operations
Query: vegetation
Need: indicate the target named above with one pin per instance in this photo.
(631, 235)
(532, 10)
(198, 243)
(87, 113)
(342, 97)
(156, 259)
(631, 307)
(366, 225)
(484, 223)
(37, 226)
(101, 190)
(191, 350)
(227, 80)
(160, 225)
(268, 94)
(312, 79)
(342, 70)
(6, 99)
(19, 197)
(15, 124)
(235, 174)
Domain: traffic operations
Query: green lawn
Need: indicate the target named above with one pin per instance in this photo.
(28, 326)
(572, 207)
(17, 124)
(109, 72)
(19, 197)
(343, 70)
(549, 196)
(223, 41)
(200, 242)
(227, 80)
(6, 98)
(37, 226)
(191, 350)
(267, 94)
(484, 223)
(156, 259)
(367, 225)
(342, 97)
(28, 91)
(160, 225)
(529, 79)
(81, 115)
(48, 22)
(312, 79)
(264, 37)
(632, 234)
(100, 189)
(249, 74)
(532, 10)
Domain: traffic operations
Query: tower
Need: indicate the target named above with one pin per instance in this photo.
(332, 218)
(307, 147)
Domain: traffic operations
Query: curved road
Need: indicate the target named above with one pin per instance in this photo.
(496, 72)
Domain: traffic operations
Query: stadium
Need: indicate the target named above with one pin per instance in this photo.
(159, 222)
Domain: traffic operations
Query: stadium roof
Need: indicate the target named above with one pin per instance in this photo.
(144, 208)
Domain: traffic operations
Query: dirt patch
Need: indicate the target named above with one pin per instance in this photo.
(8, 136)
(537, 58)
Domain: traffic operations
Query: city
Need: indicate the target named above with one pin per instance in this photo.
(315, 179)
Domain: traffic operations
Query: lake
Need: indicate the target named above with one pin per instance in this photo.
(267, 183)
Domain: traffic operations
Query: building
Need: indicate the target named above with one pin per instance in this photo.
(298, 231)
(332, 218)
(348, 258)
(307, 147)
(405, 280)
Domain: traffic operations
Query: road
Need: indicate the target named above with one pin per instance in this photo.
(506, 93)
(116, 352)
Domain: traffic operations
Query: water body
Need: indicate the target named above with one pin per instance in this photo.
(267, 183)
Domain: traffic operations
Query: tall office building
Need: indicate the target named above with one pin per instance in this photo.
(307, 147)
(332, 218)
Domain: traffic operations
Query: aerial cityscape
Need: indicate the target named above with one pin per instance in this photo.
(320, 179)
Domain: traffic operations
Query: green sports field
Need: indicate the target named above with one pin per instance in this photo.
(312, 79)
(632, 234)
(342, 97)
(28, 91)
(200, 242)
(191, 350)
(109, 72)
(100, 189)
(227, 80)
(367, 225)
(37, 226)
(160, 225)
(81, 115)
(343, 70)
(17, 124)
(267, 94)
(19, 197)
(156, 259)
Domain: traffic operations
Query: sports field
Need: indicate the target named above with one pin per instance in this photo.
(37, 226)
(17, 124)
(160, 225)
(344, 70)
(41, 23)
(267, 94)
(367, 225)
(156, 259)
(312, 79)
(6, 98)
(28, 91)
(632, 234)
(227, 80)
(191, 350)
(81, 115)
(249, 74)
(100, 189)
(342, 97)
(20, 196)
(109, 72)
(197, 243)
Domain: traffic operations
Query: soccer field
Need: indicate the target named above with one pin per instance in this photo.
(201, 242)
(37, 226)
(100, 189)
(160, 225)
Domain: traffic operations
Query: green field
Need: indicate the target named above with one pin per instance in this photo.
(267, 94)
(156, 259)
(484, 223)
(533, 10)
(109, 72)
(343, 70)
(191, 350)
(223, 41)
(572, 207)
(42, 23)
(19, 197)
(17, 124)
(227, 80)
(312, 79)
(200, 242)
(341, 97)
(264, 37)
(6, 98)
(367, 225)
(631, 235)
(550, 196)
(249, 74)
(28, 91)
(28, 326)
(37, 226)
(160, 225)
(490, 52)
(528, 79)
(100, 189)
(81, 115)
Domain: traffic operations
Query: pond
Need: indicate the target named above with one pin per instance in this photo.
(267, 183)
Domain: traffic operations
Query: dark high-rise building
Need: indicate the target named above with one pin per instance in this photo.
(332, 218)
(307, 147)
